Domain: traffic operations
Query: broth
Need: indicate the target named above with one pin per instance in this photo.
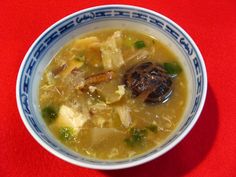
(87, 106)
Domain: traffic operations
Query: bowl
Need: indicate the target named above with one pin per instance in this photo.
(92, 19)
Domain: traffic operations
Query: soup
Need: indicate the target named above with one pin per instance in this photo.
(113, 94)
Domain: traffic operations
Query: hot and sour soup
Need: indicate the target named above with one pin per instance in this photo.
(113, 94)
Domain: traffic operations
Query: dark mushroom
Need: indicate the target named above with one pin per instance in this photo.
(59, 69)
(149, 81)
(99, 78)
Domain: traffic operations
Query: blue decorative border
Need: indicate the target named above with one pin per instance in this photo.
(83, 19)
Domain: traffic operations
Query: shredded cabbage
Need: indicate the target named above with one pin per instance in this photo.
(112, 57)
(124, 114)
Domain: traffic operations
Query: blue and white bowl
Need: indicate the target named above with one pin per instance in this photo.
(108, 16)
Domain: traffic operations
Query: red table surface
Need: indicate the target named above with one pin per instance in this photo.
(208, 150)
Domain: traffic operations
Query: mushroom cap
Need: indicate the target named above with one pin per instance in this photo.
(149, 81)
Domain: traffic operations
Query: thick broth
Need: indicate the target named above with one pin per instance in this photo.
(103, 134)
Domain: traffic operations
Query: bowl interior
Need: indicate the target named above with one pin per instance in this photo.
(117, 16)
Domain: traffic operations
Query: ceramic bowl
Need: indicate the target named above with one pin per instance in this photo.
(96, 18)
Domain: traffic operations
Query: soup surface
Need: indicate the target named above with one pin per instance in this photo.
(113, 94)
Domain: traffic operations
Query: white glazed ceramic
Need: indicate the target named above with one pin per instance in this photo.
(108, 16)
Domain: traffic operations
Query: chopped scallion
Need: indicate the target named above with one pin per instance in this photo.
(66, 133)
(172, 68)
(137, 137)
(139, 44)
(152, 128)
(49, 113)
(80, 57)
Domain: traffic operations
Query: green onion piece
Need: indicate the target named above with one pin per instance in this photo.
(66, 133)
(49, 113)
(139, 44)
(137, 137)
(80, 57)
(152, 128)
(172, 68)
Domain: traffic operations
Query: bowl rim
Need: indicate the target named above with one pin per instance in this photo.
(131, 163)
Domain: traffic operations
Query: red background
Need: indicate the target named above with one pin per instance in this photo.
(208, 150)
